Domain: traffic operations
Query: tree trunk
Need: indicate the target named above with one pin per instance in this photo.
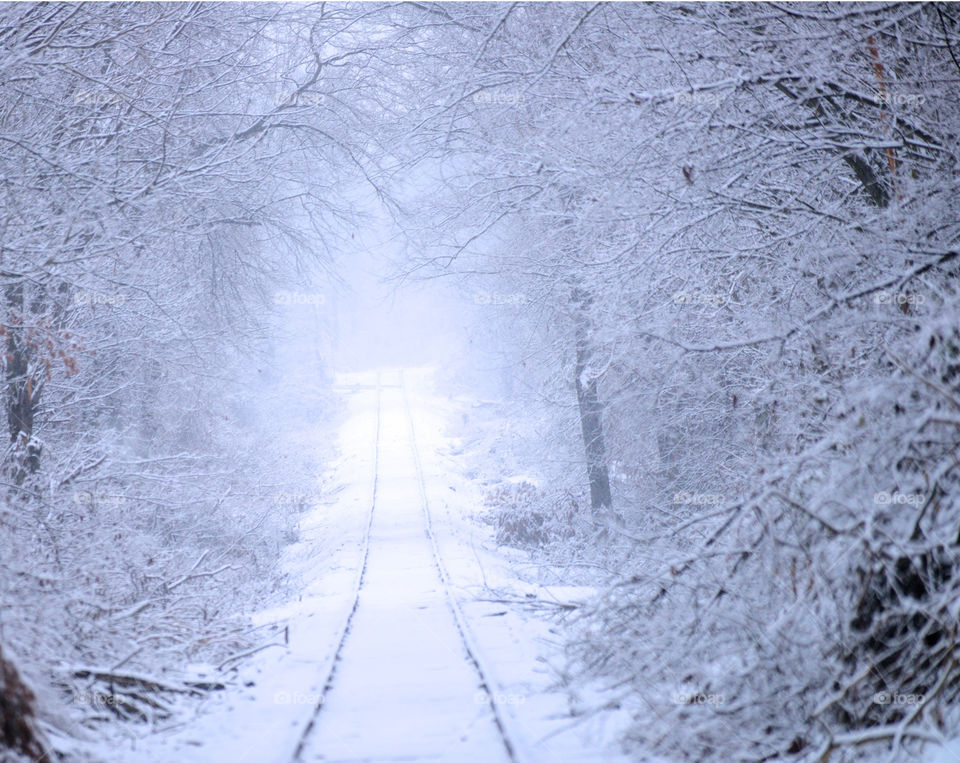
(859, 163)
(22, 394)
(591, 411)
(17, 728)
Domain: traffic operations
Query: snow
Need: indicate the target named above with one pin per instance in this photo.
(523, 648)
(404, 686)
(736, 222)
(403, 671)
(947, 752)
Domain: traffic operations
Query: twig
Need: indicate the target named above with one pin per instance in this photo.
(248, 653)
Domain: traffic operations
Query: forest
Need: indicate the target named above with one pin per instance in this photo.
(706, 270)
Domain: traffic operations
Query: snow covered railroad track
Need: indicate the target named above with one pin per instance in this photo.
(408, 681)
(345, 630)
(473, 653)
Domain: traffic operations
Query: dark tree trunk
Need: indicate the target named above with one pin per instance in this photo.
(871, 184)
(591, 411)
(22, 394)
(869, 179)
(17, 727)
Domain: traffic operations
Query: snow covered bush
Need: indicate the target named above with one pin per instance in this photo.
(525, 517)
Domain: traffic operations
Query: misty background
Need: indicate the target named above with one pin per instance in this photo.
(686, 278)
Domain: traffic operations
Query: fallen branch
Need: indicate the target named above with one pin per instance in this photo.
(144, 682)
(247, 654)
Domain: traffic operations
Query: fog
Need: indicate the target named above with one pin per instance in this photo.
(479, 382)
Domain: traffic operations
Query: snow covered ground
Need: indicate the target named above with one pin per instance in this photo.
(438, 657)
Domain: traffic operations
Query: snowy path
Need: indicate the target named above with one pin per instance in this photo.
(395, 650)
(405, 685)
